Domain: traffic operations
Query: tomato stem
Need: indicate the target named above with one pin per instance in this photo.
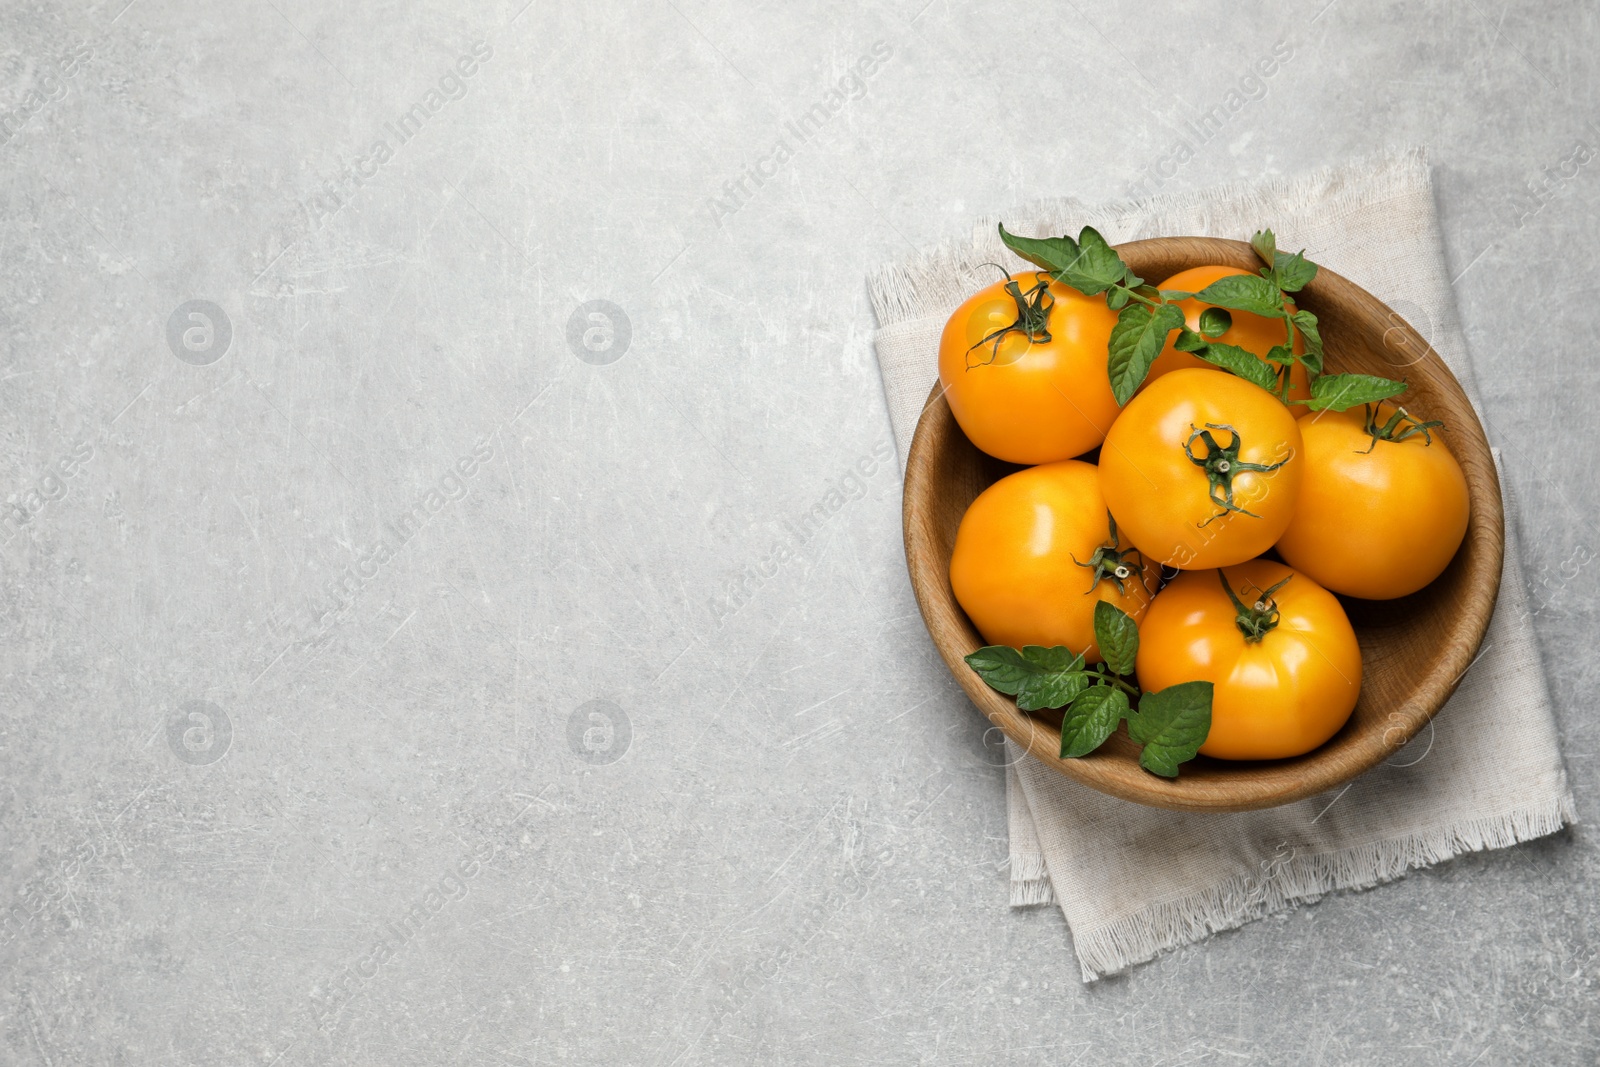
(1032, 321)
(1101, 672)
(1255, 620)
(1222, 465)
(1133, 292)
(1111, 564)
(1287, 370)
(1401, 425)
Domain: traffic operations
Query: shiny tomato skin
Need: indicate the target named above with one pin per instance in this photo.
(1030, 401)
(1015, 569)
(1162, 499)
(1254, 333)
(1277, 698)
(1376, 520)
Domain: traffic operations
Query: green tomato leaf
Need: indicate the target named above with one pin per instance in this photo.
(1117, 299)
(1089, 264)
(1244, 292)
(1337, 392)
(1172, 296)
(1091, 719)
(1171, 725)
(1097, 267)
(1136, 341)
(1054, 689)
(1189, 341)
(1052, 657)
(1117, 635)
(1214, 322)
(1003, 667)
(1306, 323)
(1038, 677)
(1241, 361)
(1047, 253)
(1266, 246)
(1292, 273)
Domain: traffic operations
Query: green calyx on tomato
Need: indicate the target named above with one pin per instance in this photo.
(1259, 618)
(1222, 464)
(1111, 564)
(1170, 725)
(1033, 317)
(1400, 426)
(1148, 316)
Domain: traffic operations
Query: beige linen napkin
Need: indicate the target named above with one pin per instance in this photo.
(1136, 881)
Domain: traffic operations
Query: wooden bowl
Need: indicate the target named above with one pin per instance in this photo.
(1414, 650)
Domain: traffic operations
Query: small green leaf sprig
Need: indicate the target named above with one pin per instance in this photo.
(1145, 317)
(1148, 315)
(1170, 724)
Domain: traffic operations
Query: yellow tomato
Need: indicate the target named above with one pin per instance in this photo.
(1202, 470)
(1283, 659)
(1035, 552)
(1025, 372)
(1376, 518)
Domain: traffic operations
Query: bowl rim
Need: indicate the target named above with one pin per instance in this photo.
(936, 600)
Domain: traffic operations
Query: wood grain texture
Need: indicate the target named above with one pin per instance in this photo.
(1414, 650)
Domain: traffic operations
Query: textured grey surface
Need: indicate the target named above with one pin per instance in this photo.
(398, 538)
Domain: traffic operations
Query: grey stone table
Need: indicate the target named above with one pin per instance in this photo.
(420, 644)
